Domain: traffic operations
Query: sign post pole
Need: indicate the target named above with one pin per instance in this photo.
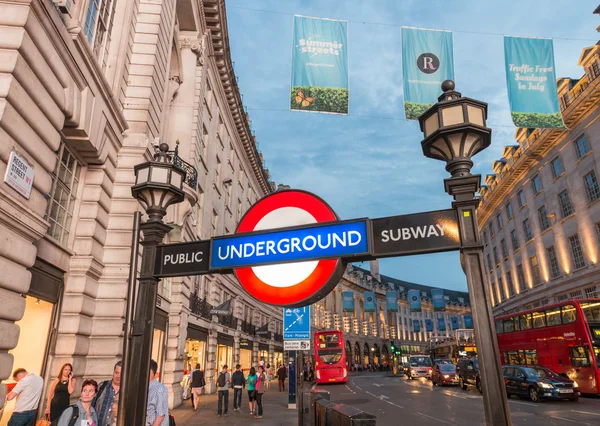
(293, 382)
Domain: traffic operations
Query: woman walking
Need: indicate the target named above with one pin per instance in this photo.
(197, 385)
(252, 378)
(82, 412)
(60, 392)
(269, 376)
(261, 387)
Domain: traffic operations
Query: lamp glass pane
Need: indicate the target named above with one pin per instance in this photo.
(176, 178)
(456, 144)
(441, 144)
(431, 124)
(142, 175)
(160, 174)
(475, 115)
(452, 115)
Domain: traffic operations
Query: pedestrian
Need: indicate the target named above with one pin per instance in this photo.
(60, 392)
(260, 388)
(198, 384)
(269, 376)
(281, 376)
(238, 382)
(28, 392)
(252, 378)
(157, 410)
(82, 412)
(223, 382)
(106, 397)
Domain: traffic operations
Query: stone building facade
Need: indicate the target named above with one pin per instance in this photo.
(540, 211)
(87, 90)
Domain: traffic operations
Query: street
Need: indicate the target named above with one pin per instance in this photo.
(397, 400)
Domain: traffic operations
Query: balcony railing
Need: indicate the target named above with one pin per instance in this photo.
(278, 337)
(200, 307)
(248, 328)
(228, 321)
(191, 174)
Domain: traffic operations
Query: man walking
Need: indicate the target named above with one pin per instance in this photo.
(281, 376)
(106, 397)
(157, 410)
(223, 382)
(28, 392)
(238, 382)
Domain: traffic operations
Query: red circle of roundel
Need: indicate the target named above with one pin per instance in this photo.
(316, 282)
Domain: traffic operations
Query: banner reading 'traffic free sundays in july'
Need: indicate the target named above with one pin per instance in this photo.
(319, 65)
(427, 60)
(531, 81)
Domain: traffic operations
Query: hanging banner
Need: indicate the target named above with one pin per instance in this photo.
(348, 301)
(454, 322)
(428, 325)
(441, 324)
(416, 326)
(369, 301)
(531, 81)
(319, 65)
(391, 298)
(427, 60)
(468, 321)
(414, 296)
(439, 302)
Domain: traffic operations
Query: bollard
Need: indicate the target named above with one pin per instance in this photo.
(323, 412)
(345, 415)
(305, 414)
(316, 395)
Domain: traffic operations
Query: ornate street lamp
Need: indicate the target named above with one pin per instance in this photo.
(158, 184)
(455, 131)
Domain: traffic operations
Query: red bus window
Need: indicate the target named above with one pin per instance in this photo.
(509, 325)
(591, 310)
(499, 329)
(553, 317)
(531, 357)
(525, 321)
(539, 319)
(568, 314)
(580, 356)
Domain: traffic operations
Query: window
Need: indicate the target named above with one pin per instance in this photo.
(521, 198)
(218, 172)
(495, 252)
(527, 229)
(536, 184)
(591, 186)
(503, 247)
(543, 215)
(525, 322)
(98, 27)
(580, 356)
(499, 327)
(576, 251)
(510, 284)
(566, 209)
(489, 261)
(492, 232)
(509, 325)
(568, 314)
(535, 270)
(557, 167)
(553, 261)
(485, 239)
(539, 319)
(509, 211)
(501, 288)
(61, 202)
(514, 239)
(581, 147)
(239, 210)
(521, 277)
(215, 222)
(553, 317)
(499, 221)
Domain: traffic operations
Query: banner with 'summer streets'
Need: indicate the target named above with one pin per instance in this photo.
(531, 83)
(319, 66)
(427, 60)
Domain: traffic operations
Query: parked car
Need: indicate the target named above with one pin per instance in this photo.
(444, 374)
(467, 371)
(538, 383)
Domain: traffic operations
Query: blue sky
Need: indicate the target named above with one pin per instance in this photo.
(370, 163)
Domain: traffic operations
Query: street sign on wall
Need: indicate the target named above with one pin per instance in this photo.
(19, 174)
(174, 260)
(296, 323)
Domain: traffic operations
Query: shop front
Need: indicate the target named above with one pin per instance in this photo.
(224, 352)
(159, 341)
(246, 354)
(37, 328)
(278, 356)
(263, 353)
(196, 348)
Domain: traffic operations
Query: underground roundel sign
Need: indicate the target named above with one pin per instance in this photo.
(290, 283)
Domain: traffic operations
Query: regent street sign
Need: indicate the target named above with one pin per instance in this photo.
(290, 249)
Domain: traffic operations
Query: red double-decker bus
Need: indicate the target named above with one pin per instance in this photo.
(330, 357)
(564, 337)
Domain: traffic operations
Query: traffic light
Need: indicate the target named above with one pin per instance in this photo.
(392, 347)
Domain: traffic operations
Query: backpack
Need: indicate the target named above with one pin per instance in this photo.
(222, 379)
(74, 416)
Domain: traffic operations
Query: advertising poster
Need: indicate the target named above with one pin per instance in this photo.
(441, 324)
(391, 298)
(348, 301)
(439, 302)
(454, 322)
(369, 301)
(468, 321)
(319, 65)
(531, 83)
(429, 325)
(427, 60)
(414, 296)
(416, 326)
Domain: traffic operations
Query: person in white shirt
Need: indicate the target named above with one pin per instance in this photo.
(28, 392)
(157, 410)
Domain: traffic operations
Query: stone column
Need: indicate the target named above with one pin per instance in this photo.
(211, 361)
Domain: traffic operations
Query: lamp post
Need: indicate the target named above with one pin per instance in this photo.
(158, 184)
(455, 130)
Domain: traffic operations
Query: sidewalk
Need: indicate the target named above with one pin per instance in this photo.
(275, 411)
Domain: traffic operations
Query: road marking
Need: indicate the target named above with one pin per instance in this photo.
(373, 395)
(568, 420)
(375, 384)
(383, 396)
(586, 412)
(358, 387)
(523, 403)
(435, 418)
